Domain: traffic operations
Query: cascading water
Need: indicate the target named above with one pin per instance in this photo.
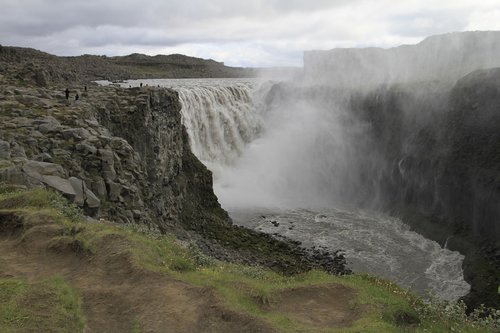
(292, 164)
(220, 121)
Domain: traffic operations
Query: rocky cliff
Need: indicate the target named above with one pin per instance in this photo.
(441, 171)
(123, 155)
(440, 149)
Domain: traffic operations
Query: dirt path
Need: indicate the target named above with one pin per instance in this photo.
(322, 307)
(114, 292)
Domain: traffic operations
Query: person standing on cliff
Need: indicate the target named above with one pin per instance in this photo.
(67, 93)
(77, 96)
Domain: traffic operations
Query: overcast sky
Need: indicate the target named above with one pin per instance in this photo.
(240, 33)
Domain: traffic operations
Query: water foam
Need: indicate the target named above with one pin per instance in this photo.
(373, 243)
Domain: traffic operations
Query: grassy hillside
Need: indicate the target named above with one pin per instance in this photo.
(60, 272)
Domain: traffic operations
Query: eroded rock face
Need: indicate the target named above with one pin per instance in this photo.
(120, 153)
(442, 156)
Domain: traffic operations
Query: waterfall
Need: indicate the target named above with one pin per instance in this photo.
(220, 119)
(305, 161)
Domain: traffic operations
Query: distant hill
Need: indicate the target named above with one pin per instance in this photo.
(33, 66)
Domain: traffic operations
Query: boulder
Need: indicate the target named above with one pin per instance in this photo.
(61, 185)
(76, 133)
(79, 188)
(36, 169)
(91, 199)
(48, 124)
(84, 196)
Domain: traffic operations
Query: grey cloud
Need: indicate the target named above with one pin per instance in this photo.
(50, 16)
(438, 22)
(280, 28)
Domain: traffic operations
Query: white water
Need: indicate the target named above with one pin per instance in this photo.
(270, 162)
(373, 243)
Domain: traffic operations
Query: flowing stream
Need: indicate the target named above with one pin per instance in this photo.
(291, 169)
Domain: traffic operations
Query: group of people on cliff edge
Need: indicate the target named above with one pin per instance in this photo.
(77, 96)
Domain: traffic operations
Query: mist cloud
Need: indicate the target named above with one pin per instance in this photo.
(248, 33)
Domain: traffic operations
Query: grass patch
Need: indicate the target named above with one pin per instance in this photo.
(39, 199)
(46, 306)
(252, 290)
(136, 326)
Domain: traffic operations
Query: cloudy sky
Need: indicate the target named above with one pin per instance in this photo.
(240, 33)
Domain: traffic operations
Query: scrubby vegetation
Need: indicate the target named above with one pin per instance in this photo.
(368, 303)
